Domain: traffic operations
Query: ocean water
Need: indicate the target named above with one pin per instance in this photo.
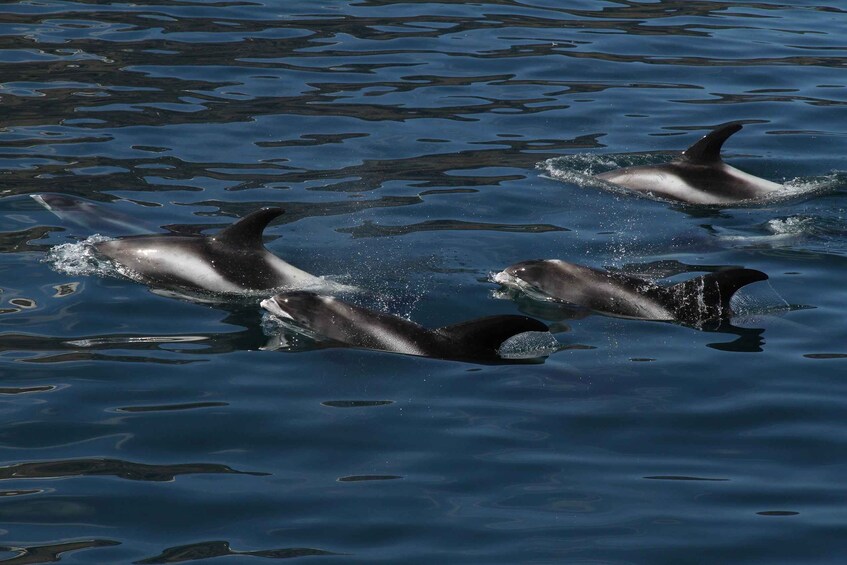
(418, 147)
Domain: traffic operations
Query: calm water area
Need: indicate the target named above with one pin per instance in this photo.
(417, 148)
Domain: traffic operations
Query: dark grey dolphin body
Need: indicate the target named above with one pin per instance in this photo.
(698, 176)
(693, 301)
(329, 318)
(233, 261)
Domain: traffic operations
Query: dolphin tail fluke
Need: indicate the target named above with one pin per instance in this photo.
(486, 335)
(708, 149)
(708, 297)
(247, 232)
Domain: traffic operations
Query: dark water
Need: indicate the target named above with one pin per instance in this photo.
(418, 147)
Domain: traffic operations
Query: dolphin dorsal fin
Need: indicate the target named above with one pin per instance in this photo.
(488, 334)
(708, 149)
(247, 232)
(707, 297)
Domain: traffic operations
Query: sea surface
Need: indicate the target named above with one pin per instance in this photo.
(418, 147)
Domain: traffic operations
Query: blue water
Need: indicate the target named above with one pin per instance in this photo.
(419, 147)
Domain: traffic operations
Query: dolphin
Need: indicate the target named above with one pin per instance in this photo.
(698, 176)
(342, 323)
(693, 301)
(234, 261)
(89, 215)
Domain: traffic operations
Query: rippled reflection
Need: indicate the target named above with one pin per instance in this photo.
(412, 145)
(51, 553)
(115, 467)
(209, 549)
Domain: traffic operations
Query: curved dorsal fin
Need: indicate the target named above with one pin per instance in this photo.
(708, 149)
(247, 232)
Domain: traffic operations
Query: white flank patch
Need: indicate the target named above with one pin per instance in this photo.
(394, 342)
(761, 184)
(186, 266)
(388, 340)
(298, 278)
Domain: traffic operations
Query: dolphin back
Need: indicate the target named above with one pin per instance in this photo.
(481, 338)
(707, 297)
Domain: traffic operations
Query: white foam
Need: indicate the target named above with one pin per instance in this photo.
(793, 225)
(78, 259)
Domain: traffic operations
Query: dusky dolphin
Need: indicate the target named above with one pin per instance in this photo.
(693, 301)
(328, 318)
(698, 176)
(233, 261)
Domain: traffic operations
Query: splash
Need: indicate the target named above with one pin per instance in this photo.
(791, 226)
(529, 345)
(80, 258)
(818, 184)
(283, 335)
(751, 303)
(590, 164)
(786, 230)
(580, 169)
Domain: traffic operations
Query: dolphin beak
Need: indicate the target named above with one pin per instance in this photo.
(504, 277)
(272, 306)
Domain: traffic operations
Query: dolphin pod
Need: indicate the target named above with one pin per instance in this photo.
(234, 261)
(697, 176)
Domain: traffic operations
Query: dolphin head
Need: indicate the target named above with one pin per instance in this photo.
(328, 318)
(526, 275)
(302, 309)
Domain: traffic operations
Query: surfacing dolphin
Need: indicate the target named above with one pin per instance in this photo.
(693, 301)
(233, 261)
(698, 176)
(345, 324)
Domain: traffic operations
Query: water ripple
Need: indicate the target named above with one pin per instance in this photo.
(402, 138)
(209, 549)
(113, 467)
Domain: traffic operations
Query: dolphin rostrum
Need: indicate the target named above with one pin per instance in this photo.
(342, 323)
(233, 261)
(693, 301)
(698, 176)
